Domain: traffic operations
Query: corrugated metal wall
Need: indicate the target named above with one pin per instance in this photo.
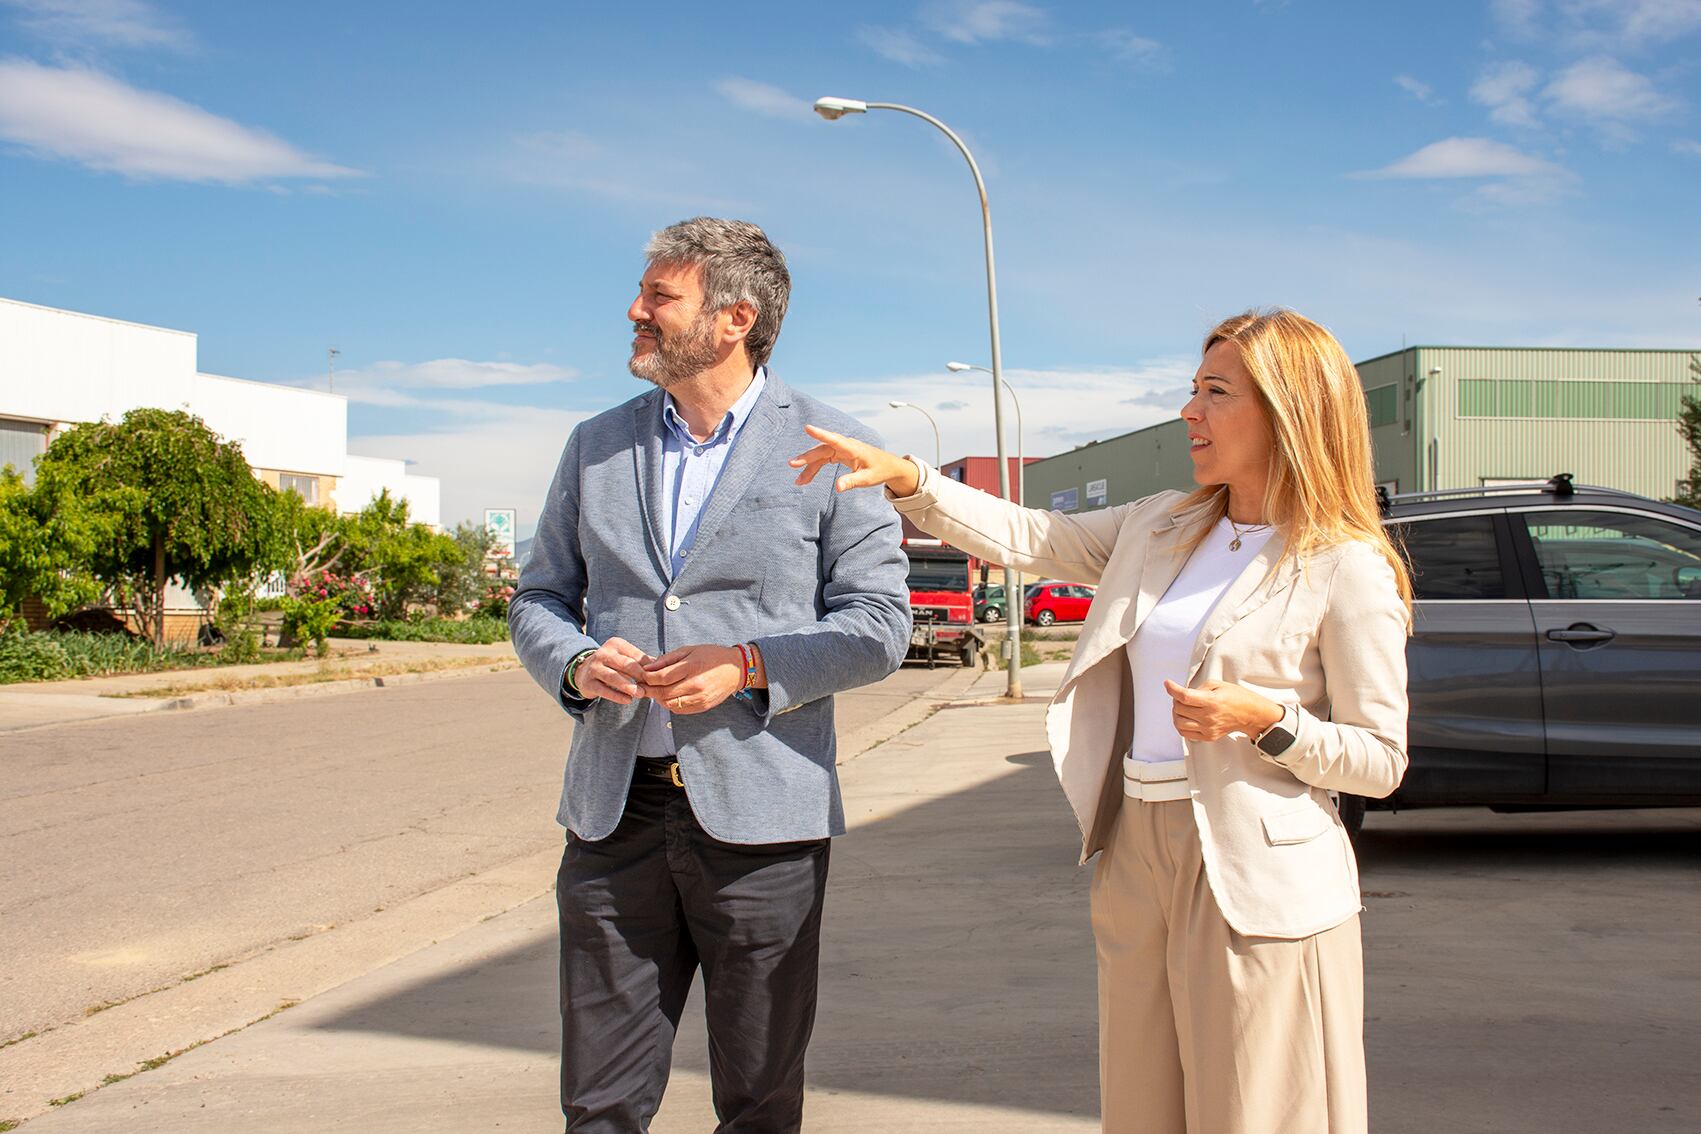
(1502, 414)
(1132, 465)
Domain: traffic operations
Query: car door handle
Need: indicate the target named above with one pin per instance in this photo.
(1582, 632)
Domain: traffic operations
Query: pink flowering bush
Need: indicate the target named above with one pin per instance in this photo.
(351, 594)
(494, 604)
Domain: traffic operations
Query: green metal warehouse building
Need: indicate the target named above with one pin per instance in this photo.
(1450, 417)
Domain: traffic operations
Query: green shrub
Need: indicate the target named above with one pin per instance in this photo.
(25, 656)
(310, 620)
(477, 631)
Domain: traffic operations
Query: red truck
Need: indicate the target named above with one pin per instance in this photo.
(941, 602)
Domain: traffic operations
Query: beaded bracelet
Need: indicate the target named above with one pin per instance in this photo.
(747, 654)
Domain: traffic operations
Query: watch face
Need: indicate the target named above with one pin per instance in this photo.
(1277, 741)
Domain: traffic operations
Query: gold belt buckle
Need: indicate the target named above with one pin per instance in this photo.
(673, 773)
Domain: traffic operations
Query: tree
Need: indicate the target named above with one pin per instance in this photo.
(45, 540)
(463, 583)
(406, 558)
(1689, 428)
(315, 539)
(175, 501)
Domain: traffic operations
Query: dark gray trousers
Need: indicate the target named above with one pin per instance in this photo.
(639, 912)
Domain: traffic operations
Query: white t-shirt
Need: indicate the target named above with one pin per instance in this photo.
(1163, 646)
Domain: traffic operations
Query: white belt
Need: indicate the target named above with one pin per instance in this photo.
(1154, 782)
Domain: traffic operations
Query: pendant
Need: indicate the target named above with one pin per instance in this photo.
(1234, 544)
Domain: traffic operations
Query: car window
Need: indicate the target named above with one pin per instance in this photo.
(1452, 557)
(1615, 555)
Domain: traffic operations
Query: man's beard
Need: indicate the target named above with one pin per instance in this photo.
(683, 355)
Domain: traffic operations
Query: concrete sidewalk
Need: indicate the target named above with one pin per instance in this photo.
(39, 704)
(957, 987)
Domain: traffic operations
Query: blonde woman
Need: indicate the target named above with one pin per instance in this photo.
(1244, 657)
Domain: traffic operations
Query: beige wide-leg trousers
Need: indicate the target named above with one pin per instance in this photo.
(1201, 1029)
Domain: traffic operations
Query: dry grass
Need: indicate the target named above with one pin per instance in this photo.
(326, 672)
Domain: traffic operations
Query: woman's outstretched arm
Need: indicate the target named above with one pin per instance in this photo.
(1032, 540)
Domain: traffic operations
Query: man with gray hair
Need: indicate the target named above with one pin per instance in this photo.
(694, 610)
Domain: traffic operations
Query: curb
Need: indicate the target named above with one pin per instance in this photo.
(854, 744)
(222, 698)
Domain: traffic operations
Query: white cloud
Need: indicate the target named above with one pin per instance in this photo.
(1058, 408)
(1599, 25)
(99, 23)
(632, 172)
(504, 460)
(1519, 18)
(1686, 146)
(1417, 88)
(1604, 91)
(92, 118)
(1628, 24)
(1124, 44)
(1465, 157)
(899, 46)
(449, 374)
(986, 21)
(1505, 89)
(763, 98)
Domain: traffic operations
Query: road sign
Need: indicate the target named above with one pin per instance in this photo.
(501, 524)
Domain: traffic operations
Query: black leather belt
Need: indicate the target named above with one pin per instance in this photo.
(660, 770)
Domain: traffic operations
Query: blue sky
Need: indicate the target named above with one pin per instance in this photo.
(456, 195)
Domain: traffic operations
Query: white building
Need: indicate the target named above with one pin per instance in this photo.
(60, 368)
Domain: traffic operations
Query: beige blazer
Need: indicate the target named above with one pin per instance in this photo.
(1326, 635)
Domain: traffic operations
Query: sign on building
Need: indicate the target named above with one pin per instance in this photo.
(1097, 493)
(1065, 499)
(501, 524)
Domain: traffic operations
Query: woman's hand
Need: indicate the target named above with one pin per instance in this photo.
(869, 466)
(1217, 708)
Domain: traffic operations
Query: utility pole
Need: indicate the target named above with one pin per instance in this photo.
(330, 368)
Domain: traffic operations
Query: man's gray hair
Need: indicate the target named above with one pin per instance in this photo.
(737, 262)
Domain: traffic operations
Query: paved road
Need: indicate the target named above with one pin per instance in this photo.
(139, 851)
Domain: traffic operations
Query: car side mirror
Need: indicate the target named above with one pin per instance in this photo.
(1688, 580)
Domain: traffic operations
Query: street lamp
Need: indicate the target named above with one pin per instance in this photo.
(1021, 465)
(911, 405)
(1011, 602)
(833, 109)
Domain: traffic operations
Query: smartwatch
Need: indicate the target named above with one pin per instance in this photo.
(1279, 737)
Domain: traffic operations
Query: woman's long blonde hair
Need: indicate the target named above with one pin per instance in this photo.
(1321, 488)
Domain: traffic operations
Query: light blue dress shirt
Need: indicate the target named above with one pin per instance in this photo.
(690, 470)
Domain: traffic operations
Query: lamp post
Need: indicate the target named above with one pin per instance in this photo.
(833, 109)
(1017, 601)
(1021, 465)
(911, 405)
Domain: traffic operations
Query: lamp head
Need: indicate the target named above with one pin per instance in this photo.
(898, 405)
(835, 108)
(958, 367)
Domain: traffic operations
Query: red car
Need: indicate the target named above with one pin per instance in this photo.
(1058, 602)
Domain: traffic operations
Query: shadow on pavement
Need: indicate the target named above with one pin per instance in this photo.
(958, 962)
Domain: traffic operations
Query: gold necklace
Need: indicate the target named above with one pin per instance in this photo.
(1234, 544)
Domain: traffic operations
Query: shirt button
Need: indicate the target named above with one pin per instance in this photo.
(699, 450)
(671, 602)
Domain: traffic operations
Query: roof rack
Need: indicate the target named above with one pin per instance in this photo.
(1560, 487)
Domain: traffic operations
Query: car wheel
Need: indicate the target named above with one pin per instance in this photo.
(1045, 618)
(971, 655)
(992, 614)
(1351, 808)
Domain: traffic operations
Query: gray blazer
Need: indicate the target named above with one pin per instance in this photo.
(815, 578)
